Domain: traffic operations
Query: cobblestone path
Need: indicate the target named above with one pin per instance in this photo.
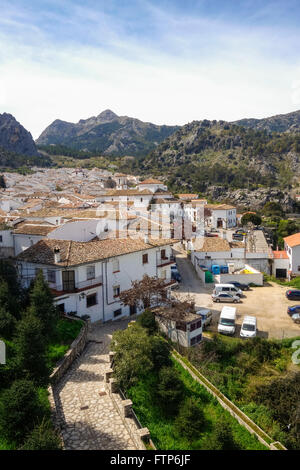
(88, 417)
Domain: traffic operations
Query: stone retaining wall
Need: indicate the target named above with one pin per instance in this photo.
(73, 352)
(241, 417)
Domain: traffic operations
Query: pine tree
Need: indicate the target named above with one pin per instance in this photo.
(31, 349)
(42, 307)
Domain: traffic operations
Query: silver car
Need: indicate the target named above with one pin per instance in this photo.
(223, 297)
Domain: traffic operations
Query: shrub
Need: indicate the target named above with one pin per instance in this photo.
(170, 390)
(42, 437)
(133, 355)
(190, 420)
(147, 320)
(160, 350)
(20, 410)
(7, 323)
(222, 437)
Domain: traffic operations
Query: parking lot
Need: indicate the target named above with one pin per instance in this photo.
(268, 303)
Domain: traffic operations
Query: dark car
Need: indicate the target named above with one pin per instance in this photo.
(293, 294)
(175, 275)
(239, 285)
(292, 310)
(238, 236)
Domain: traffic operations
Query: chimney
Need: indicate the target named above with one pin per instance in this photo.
(56, 254)
(146, 239)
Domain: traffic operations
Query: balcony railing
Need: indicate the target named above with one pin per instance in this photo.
(165, 261)
(69, 287)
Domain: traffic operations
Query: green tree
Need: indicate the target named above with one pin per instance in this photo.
(43, 437)
(222, 437)
(190, 420)
(250, 217)
(170, 390)
(41, 305)
(160, 350)
(272, 209)
(133, 355)
(20, 410)
(31, 349)
(2, 182)
(147, 320)
(7, 323)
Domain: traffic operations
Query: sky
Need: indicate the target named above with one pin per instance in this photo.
(161, 61)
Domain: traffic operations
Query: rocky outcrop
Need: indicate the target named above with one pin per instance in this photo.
(280, 123)
(15, 138)
(245, 199)
(106, 134)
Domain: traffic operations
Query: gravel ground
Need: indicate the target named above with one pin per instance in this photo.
(268, 303)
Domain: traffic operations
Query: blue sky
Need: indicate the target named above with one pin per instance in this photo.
(161, 61)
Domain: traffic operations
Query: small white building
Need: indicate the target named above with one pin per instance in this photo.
(222, 216)
(187, 331)
(152, 185)
(292, 248)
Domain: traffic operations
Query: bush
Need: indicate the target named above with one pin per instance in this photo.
(222, 437)
(170, 390)
(42, 437)
(20, 410)
(160, 350)
(190, 420)
(147, 320)
(7, 323)
(133, 355)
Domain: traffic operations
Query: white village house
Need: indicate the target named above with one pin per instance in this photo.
(87, 277)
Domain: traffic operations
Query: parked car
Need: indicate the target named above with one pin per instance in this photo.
(227, 289)
(240, 285)
(175, 275)
(211, 234)
(222, 297)
(293, 294)
(174, 266)
(206, 316)
(296, 317)
(238, 236)
(292, 310)
(249, 327)
(240, 231)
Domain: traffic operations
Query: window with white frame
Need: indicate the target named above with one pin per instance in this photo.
(51, 276)
(116, 291)
(90, 272)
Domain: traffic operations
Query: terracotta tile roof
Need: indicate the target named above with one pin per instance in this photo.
(127, 192)
(293, 240)
(151, 181)
(76, 253)
(206, 244)
(187, 196)
(219, 207)
(28, 229)
(280, 254)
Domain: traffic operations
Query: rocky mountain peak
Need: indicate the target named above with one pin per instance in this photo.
(14, 137)
(107, 115)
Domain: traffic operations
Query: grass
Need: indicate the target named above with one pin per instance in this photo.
(163, 429)
(293, 283)
(66, 332)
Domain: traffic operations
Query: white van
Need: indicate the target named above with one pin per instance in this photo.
(227, 319)
(227, 289)
(249, 327)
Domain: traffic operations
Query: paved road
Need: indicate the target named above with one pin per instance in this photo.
(267, 303)
(90, 421)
